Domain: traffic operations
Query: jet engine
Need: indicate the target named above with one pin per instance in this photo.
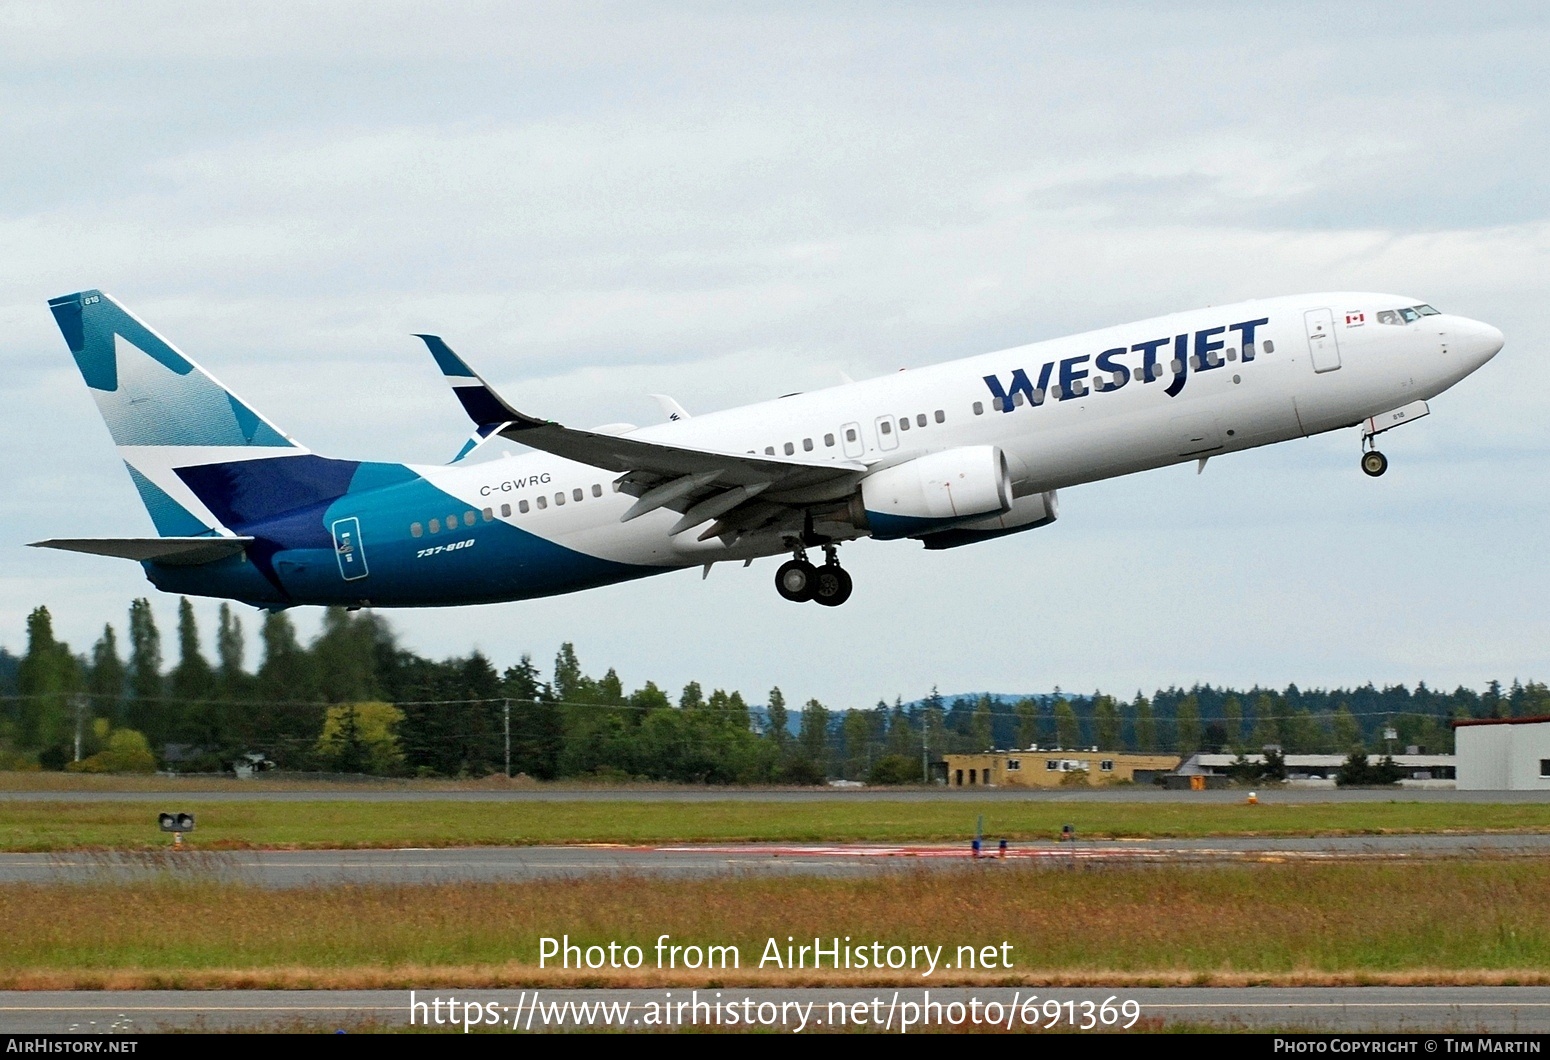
(936, 490)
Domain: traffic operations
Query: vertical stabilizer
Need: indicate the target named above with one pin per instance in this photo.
(163, 410)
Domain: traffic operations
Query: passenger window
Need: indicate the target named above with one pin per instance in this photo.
(559, 498)
(828, 440)
(885, 427)
(1055, 391)
(1270, 347)
(807, 445)
(489, 513)
(850, 434)
(597, 489)
(769, 450)
(1177, 365)
(1232, 354)
(789, 448)
(469, 518)
(920, 421)
(522, 507)
(506, 511)
(979, 408)
(435, 526)
(1018, 399)
(941, 417)
(541, 501)
(415, 529)
(995, 403)
(451, 522)
(904, 424)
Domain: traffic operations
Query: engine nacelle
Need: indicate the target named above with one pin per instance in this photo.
(936, 491)
(1028, 513)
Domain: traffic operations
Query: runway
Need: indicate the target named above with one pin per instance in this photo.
(302, 868)
(1416, 1010)
(201, 791)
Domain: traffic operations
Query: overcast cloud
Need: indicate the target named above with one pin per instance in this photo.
(725, 203)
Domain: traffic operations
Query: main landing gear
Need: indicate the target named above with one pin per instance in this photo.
(799, 581)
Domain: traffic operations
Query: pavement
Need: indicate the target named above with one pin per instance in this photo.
(1441, 1011)
(302, 868)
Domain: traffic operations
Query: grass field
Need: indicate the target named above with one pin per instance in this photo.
(48, 826)
(1349, 922)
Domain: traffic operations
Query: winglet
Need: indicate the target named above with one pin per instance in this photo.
(670, 408)
(483, 405)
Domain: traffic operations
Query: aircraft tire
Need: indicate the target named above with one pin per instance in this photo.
(1374, 463)
(795, 580)
(831, 585)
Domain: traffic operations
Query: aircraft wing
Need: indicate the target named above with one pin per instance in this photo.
(173, 551)
(700, 483)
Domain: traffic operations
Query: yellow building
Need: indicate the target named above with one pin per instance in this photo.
(1051, 769)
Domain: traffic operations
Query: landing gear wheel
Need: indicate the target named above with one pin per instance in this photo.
(831, 585)
(1374, 463)
(796, 580)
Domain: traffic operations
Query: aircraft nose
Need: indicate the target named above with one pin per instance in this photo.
(1477, 342)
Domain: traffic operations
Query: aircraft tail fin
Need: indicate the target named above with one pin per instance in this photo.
(163, 410)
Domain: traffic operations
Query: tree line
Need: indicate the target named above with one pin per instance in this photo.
(354, 700)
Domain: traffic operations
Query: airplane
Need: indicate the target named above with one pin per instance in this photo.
(947, 455)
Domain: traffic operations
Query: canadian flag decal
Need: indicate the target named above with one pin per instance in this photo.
(1355, 319)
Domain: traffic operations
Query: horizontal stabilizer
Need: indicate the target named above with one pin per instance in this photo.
(173, 551)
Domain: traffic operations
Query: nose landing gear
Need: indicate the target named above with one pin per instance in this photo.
(1374, 463)
(799, 581)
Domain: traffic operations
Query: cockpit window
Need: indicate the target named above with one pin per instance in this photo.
(1408, 315)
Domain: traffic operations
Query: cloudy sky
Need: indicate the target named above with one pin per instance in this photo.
(730, 202)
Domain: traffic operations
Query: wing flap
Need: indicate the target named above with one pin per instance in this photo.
(173, 551)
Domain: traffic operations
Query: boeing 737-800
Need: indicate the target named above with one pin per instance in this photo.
(947, 455)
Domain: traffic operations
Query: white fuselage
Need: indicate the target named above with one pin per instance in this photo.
(1222, 395)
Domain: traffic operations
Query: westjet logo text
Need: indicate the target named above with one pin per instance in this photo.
(1201, 351)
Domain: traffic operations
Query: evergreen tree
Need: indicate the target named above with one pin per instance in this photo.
(813, 737)
(1267, 726)
(1067, 728)
(1027, 712)
(980, 726)
(1187, 721)
(344, 656)
(191, 679)
(856, 736)
(1347, 732)
(229, 649)
(1106, 722)
(145, 711)
(108, 677)
(567, 675)
(1232, 721)
(1146, 725)
(537, 731)
(47, 677)
(776, 729)
(289, 720)
(189, 716)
